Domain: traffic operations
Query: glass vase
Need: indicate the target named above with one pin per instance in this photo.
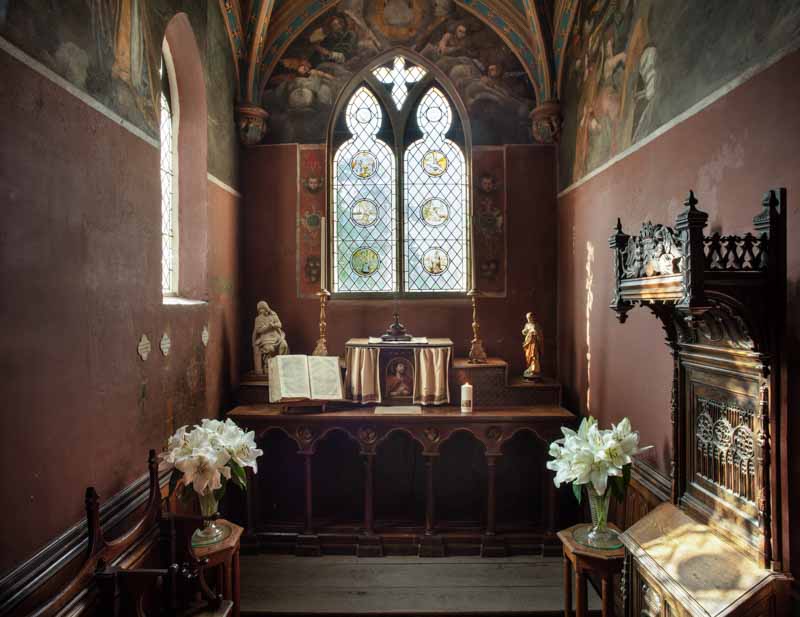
(598, 535)
(210, 532)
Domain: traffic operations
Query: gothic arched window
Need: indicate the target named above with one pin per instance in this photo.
(399, 189)
(169, 194)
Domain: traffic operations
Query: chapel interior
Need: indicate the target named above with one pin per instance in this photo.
(400, 244)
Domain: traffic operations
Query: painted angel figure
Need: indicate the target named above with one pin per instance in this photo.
(532, 344)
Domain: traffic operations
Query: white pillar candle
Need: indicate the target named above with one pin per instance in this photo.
(323, 254)
(466, 398)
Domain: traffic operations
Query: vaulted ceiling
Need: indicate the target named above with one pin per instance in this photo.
(535, 30)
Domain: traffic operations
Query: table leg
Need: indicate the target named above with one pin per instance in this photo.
(236, 584)
(607, 596)
(227, 587)
(580, 593)
(567, 587)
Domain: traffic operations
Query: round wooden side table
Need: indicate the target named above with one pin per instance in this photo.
(585, 560)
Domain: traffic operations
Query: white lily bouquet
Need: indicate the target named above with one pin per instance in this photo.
(600, 460)
(206, 457)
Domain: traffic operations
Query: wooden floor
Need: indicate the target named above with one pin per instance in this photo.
(332, 585)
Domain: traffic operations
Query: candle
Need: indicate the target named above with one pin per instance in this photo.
(323, 254)
(466, 398)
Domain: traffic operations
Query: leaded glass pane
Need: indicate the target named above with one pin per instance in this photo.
(168, 230)
(364, 203)
(435, 204)
(398, 78)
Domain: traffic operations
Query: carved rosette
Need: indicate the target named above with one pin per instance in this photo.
(251, 120)
(432, 434)
(367, 435)
(546, 122)
(495, 433)
(305, 434)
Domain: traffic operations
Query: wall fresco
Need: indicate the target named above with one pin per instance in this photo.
(111, 49)
(634, 65)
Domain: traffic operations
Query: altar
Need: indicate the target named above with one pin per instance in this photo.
(319, 487)
(414, 371)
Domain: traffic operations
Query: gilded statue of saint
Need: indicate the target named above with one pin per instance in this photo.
(268, 338)
(532, 344)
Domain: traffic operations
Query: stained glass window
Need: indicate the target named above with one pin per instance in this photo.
(398, 77)
(364, 203)
(169, 227)
(435, 203)
(404, 234)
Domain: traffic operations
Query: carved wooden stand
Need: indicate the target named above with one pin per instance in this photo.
(492, 427)
(721, 301)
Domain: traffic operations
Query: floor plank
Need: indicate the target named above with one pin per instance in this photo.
(282, 584)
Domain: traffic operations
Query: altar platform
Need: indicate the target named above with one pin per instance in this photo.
(434, 484)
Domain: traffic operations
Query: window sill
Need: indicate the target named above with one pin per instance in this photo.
(178, 301)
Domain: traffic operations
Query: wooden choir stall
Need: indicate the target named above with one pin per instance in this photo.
(717, 548)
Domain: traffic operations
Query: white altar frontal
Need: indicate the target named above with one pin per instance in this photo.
(414, 372)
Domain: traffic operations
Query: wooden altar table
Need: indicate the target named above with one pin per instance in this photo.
(492, 427)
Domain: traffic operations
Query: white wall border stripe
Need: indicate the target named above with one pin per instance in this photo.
(16, 53)
(214, 180)
(693, 110)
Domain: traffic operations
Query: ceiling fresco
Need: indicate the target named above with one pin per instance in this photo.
(260, 31)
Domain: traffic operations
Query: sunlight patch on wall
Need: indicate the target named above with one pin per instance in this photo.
(589, 303)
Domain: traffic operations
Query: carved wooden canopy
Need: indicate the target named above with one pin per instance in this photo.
(721, 301)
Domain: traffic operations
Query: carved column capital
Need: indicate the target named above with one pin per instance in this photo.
(546, 122)
(251, 121)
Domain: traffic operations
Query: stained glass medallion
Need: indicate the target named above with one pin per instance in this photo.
(364, 212)
(434, 163)
(435, 261)
(364, 164)
(365, 261)
(435, 212)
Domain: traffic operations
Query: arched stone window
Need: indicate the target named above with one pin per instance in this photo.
(400, 200)
(169, 185)
(184, 166)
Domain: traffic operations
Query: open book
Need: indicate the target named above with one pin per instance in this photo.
(299, 378)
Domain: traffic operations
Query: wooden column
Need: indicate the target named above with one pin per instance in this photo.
(491, 462)
(550, 517)
(491, 545)
(430, 497)
(369, 545)
(307, 542)
(369, 494)
(309, 529)
(430, 545)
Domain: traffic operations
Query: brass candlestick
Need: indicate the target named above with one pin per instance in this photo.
(321, 348)
(477, 354)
